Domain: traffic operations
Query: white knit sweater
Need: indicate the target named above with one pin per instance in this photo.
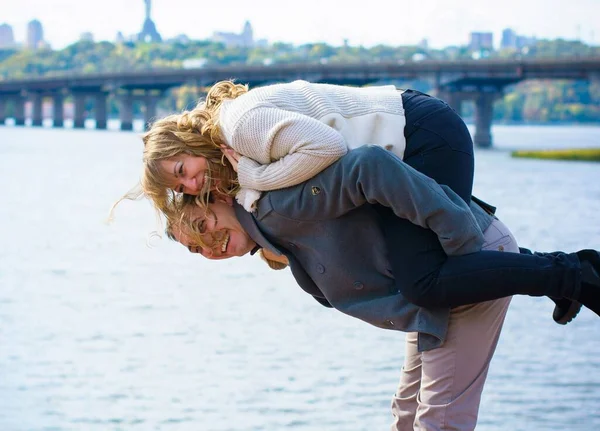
(288, 133)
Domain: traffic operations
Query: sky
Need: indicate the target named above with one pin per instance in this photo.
(368, 23)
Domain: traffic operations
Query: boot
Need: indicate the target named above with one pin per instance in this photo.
(565, 309)
(590, 279)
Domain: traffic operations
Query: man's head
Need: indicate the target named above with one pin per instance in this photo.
(220, 234)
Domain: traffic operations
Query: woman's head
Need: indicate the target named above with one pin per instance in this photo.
(182, 152)
(179, 158)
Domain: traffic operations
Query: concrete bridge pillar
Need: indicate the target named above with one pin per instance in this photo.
(454, 99)
(58, 110)
(100, 108)
(150, 102)
(484, 105)
(19, 111)
(36, 116)
(126, 113)
(79, 115)
(2, 110)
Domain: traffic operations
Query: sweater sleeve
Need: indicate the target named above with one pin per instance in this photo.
(281, 148)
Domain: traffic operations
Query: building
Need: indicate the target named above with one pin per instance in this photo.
(512, 40)
(7, 37)
(149, 32)
(261, 43)
(509, 39)
(35, 35)
(525, 41)
(86, 37)
(119, 38)
(243, 39)
(182, 39)
(481, 41)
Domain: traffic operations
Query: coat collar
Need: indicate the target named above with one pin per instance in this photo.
(248, 222)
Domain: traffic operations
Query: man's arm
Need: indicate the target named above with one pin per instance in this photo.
(370, 174)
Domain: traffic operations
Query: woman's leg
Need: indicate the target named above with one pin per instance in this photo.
(427, 277)
(438, 145)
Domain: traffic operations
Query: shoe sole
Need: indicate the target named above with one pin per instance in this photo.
(570, 314)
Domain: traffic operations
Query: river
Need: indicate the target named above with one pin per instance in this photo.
(104, 329)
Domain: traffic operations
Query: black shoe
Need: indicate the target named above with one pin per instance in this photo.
(565, 310)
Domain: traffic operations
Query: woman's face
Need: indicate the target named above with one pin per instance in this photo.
(186, 174)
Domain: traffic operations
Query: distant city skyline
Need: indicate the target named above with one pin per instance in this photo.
(442, 24)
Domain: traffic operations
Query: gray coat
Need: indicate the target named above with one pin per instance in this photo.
(329, 230)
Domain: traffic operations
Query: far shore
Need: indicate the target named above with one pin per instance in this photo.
(471, 122)
(582, 154)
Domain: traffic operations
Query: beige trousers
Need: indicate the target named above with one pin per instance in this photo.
(441, 389)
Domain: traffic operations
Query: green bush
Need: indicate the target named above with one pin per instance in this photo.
(585, 154)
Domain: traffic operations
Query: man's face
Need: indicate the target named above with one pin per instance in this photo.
(224, 235)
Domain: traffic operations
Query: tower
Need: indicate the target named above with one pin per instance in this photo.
(149, 32)
(35, 34)
(247, 35)
(7, 38)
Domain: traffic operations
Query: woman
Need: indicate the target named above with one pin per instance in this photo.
(286, 133)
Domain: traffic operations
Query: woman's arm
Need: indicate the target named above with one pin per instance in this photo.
(282, 148)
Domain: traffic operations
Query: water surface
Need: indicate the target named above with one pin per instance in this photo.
(100, 332)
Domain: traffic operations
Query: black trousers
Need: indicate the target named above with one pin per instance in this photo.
(440, 146)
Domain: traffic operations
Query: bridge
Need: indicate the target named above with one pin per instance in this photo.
(482, 81)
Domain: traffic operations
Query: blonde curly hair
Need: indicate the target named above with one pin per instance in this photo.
(195, 133)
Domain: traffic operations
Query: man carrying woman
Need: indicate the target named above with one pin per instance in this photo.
(388, 234)
(284, 134)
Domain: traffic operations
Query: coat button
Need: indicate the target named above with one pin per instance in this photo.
(320, 269)
(358, 285)
(315, 190)
(389, 147)
(389, 323)
(500, 248)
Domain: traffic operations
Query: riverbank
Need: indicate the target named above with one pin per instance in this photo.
(580, 154)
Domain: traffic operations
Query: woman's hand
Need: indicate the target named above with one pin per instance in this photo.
(232, 155)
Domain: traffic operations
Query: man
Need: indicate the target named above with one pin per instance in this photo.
(335, 241)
